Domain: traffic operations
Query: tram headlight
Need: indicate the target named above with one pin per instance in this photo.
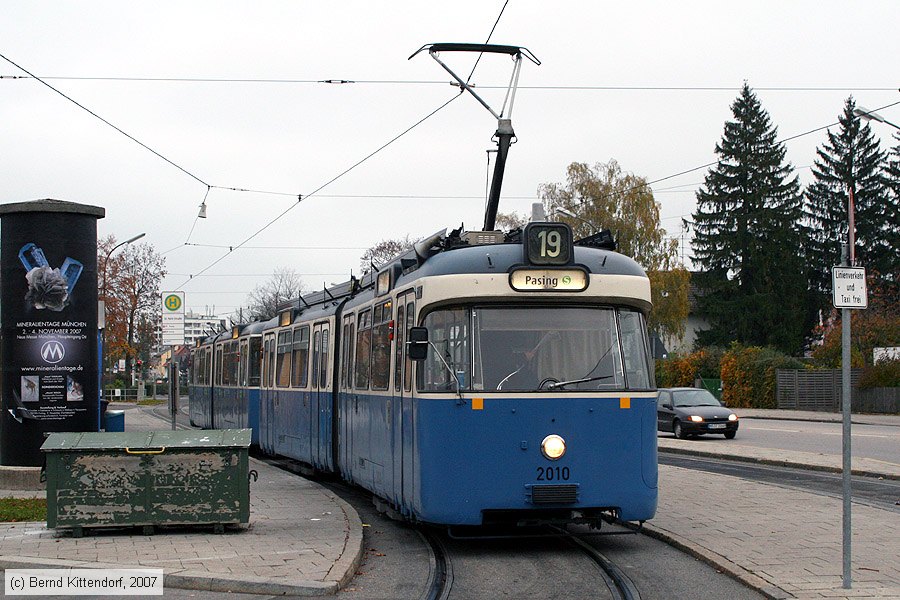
(696, 419)
(732, 417)
(553, 447)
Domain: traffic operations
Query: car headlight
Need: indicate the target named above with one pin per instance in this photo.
(553, 447)
(732, 417)
(696, 419)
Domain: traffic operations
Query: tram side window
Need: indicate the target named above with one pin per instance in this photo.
(219, 365)
(351, 354)
(317, 350)
(410, 323)
(634, 348)
(381, 347)
(235, 363)
(207, 367)
(346, 342)
(243, 364)
(363, 345)
(224, 379)
(231, 364)
(283, 360)
(300, 374)
(323, 365)
(255, 362)
(448, 331)
(401, 338)
(270, 361)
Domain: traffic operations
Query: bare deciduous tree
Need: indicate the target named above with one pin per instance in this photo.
(383, 251)
(263, 302)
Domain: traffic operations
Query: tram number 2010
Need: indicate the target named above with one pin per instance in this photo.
(553, 473)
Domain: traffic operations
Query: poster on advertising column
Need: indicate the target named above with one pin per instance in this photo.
(48, 289)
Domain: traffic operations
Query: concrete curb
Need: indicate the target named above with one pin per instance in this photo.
(817, 420)
(340, 574)
(776, 462)
(344, 569)
(732, 569)
(21, 478)
(189, 580)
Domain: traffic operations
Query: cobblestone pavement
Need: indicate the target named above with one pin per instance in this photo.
(785, 542)
(304, 540)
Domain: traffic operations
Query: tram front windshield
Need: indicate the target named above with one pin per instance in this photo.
(516, 349)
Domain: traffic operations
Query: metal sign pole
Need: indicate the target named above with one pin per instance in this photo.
(173, 386)
(845, 407)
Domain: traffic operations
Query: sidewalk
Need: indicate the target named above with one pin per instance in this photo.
(734, 450)
(785, 543)
(301, 540)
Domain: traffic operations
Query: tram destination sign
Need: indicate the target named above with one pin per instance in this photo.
(548, 280)
(849, 287)
(172, 318)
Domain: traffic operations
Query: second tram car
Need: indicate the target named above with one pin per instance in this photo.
(480, 378)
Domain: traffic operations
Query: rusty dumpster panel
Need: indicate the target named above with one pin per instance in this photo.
(147, 478)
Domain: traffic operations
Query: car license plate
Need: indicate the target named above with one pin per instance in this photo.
(717, 425)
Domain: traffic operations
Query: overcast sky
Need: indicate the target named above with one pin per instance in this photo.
(294, 137)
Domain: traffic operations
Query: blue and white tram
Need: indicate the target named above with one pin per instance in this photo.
(224, 390)
(534, 401)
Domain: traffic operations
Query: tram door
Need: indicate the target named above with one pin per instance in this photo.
(343, 413)
(320, 409)
(403, 381)
(268, 400)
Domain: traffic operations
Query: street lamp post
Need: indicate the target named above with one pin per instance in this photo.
(103, 307)
(848, 257)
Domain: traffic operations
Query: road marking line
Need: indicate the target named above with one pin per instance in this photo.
(767, 429)
(874, 435)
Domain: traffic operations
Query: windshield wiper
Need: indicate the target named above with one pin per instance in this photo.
(559, 384)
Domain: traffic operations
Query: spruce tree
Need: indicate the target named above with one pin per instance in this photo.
(850, 160)
(748, 237)
(892, 222)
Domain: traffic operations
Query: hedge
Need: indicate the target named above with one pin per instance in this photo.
(748, 375)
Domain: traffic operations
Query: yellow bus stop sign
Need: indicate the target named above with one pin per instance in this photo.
(172, 302)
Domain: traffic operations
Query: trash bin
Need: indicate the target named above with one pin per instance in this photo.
(114, 420)
(147, 478)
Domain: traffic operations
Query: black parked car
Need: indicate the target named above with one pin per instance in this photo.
(692, 411)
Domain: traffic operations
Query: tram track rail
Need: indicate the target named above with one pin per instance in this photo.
(621, 587)
(440, 576)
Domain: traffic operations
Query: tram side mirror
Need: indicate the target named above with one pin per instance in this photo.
(418, 343)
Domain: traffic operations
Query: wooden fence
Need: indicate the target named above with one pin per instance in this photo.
(798, 389)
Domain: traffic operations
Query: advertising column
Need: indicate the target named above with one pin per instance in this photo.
(48, 295)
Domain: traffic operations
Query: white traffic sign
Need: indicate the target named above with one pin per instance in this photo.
(848, 286)
(172, 318)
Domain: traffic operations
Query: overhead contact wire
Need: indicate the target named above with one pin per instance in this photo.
(301, 197)
(95, 115)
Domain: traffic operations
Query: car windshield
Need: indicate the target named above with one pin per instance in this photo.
(694, 398)
(509, 349)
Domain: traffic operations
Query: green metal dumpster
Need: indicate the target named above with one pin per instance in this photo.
(147, 478)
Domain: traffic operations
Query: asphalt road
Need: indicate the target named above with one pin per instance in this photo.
(878, 442)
